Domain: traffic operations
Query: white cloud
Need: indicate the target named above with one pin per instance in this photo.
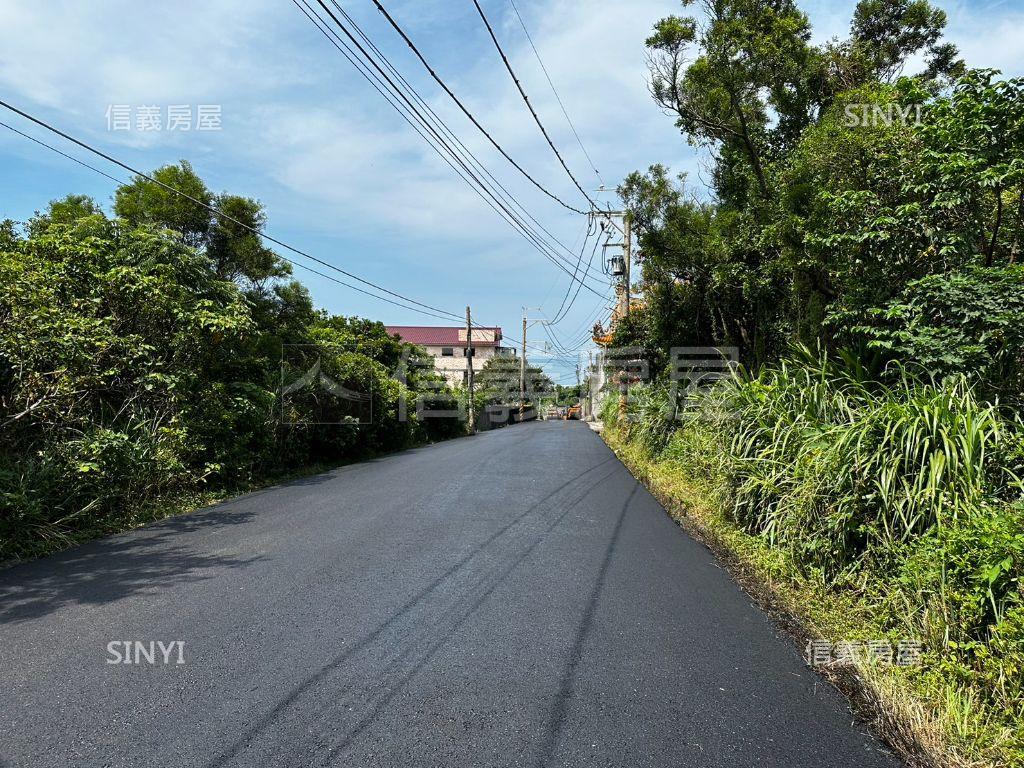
(332, 161)
(988, 36)
(595, 54)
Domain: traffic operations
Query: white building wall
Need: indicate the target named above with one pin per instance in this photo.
(454, 368)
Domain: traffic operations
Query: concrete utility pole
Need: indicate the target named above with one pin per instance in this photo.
(623, 298)
(527, 323)
(627, 251)
(623, 305)
(590, 385)
(522, 376)
(469, 372)
(579, 392)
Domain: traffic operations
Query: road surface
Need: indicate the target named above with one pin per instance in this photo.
(511, 599)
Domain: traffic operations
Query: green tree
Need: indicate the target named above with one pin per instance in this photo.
(179, 201)
(876, 206)
(153, 203)
(764, 260)
(141, 358)
(103, 348)
(969, 322)
(887, 33)
(498, 381)
(9, 236)
(68, 210)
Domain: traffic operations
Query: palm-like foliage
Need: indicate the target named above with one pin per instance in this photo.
(836, 465)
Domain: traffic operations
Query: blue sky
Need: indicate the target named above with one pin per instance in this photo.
(341, 175)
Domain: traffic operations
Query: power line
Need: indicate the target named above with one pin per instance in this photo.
(560, 315)
(584, 330)
(576, 295)
(554, 342)
(379, 84)
(568, 352)
(577, 343)
(180, 245)
(555, 92)
(223, 215)
(600, 314)
(526, 99)
(62, 154)
(446, 316)
(388, 89)
(585, 232)
(409, 112)
(575, 271)
(547, 353)
(437, 121)
(468, 114)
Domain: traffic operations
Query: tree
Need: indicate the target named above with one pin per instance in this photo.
(153, 203)
(9, 237)
(141, 357)
(179, 201)
(887, 33)
(567, 395)
(968, 322)
(237, 251)
(498, 381)
(281, 308)
(106, 342)
(68, 210)
(876, 206)
(764, 261)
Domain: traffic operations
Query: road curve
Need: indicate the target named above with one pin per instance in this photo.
(511, 599)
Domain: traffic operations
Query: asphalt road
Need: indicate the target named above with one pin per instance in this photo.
(511, 599)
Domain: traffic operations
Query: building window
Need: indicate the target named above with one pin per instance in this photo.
(447, 352)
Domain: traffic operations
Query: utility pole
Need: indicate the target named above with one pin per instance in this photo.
(590, 385)
(579, 392)
(469, 372)
(627, 251)
(522, 376)
(522, 367)
(623, 300)
(623, 305)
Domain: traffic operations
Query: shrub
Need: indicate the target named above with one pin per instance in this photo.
(969, 322)
(132, 373)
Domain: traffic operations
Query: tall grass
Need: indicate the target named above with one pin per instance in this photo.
(838, 467)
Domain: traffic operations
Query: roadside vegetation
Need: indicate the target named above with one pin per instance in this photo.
(141, 363)
(875, 511)
(496, 386)
(862, 468)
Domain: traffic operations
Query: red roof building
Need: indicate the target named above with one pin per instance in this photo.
(447, 345)
(445, 336)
